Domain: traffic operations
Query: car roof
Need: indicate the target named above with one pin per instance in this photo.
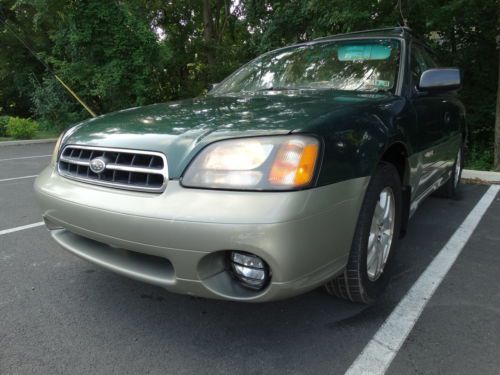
(400, 31)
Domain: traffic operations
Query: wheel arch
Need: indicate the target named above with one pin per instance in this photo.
(397, 154)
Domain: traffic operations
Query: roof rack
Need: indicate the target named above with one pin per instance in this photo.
(397, 29)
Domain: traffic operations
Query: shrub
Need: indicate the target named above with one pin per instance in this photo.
(21, 128)
(52, 106)
(480, 158)
(3, 125)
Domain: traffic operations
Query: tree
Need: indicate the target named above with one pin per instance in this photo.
(107, 53)
(497, 122)
(18, 66)
(117, 54)
(208, 40)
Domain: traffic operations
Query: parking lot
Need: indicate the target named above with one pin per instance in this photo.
(62, 315)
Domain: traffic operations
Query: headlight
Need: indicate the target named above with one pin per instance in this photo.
(53, 160)
(261, 163)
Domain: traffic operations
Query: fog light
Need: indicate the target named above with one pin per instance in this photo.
(249, 269)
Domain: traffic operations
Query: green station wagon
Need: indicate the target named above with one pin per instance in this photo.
(300, 169)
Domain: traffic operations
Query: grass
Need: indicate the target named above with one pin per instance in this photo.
(41, 134)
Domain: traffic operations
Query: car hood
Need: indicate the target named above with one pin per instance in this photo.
(180, 129)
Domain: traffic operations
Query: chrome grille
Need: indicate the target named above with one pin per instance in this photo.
(125, 169)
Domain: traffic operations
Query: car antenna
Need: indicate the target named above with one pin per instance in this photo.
(403, 19)
(26, 45)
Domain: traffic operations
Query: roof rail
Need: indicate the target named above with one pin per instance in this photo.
(400, 29)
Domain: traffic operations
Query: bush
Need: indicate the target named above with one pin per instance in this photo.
(52, 106)
(3, 125)
(21, 128)
(480, 158)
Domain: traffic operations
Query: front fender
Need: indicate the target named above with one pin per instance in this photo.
(355, 141)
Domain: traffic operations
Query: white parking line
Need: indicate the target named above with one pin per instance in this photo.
(378, 354)
(18, 178)
(27, 157)
(23, 227)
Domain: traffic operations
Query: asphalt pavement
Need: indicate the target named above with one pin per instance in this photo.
(62, 315)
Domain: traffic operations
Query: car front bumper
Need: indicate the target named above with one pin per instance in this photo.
(179, 239)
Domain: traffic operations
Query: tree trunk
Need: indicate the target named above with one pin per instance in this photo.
(208, 32)
(497, 122)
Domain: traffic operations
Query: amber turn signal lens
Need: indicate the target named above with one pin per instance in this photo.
(305, 171)
(294, 164)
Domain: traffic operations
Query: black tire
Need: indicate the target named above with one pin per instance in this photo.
(452, 186)
(353, 284)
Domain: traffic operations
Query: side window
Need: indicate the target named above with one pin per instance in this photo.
(420, 62)
(429, 60)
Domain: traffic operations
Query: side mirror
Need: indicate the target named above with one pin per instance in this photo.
(440, 79)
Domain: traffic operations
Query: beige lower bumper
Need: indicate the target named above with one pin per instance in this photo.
(304, 236)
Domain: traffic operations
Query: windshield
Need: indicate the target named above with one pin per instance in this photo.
(366, 65)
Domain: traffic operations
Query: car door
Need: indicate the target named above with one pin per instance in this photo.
(432, 122)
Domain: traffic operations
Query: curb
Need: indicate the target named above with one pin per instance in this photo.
(481, 176)
(28, 142)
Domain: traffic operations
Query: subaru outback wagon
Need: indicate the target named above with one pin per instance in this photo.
(300, 169)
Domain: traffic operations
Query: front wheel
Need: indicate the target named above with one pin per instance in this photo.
(366, 276)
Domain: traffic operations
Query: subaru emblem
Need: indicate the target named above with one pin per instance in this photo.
(97, 165)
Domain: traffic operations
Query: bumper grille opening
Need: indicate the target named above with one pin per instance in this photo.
(144, 267)
(124, 169)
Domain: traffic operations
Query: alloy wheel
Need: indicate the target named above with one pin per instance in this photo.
(381, 234)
